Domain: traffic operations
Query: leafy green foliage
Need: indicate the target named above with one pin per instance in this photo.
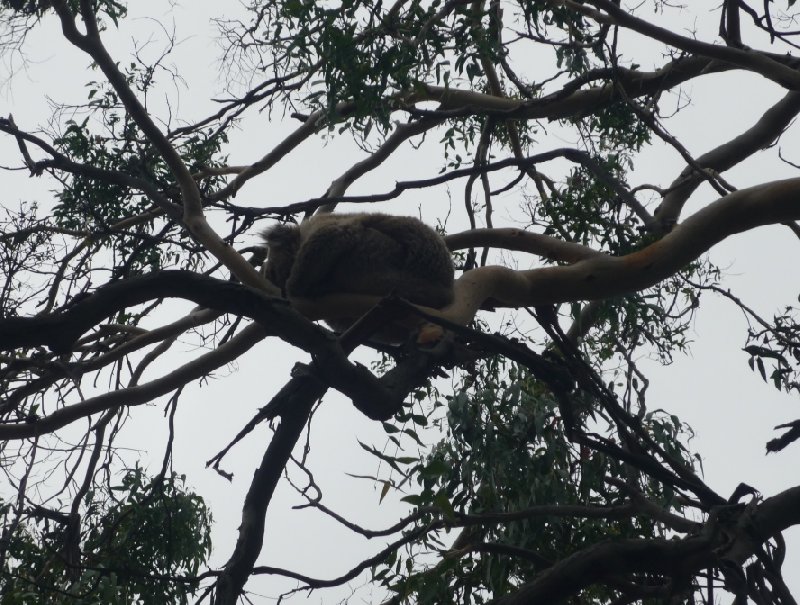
(132, 544)
(505, 451)
(617, 128)
(658, 318)
(359, 53)
(25, 249)
(778, 344)
(112, 9)
(110, 204)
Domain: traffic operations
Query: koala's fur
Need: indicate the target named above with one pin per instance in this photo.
(372, 254)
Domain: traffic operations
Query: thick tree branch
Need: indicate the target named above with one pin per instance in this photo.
(602, 277)
(674, 558)
(770, 126)
(569, 103)
(299, 396)
(778, 68)
(596, 563)
(542, 245)
(60, 330)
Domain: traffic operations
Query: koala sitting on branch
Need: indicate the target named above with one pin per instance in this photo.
(367, 254)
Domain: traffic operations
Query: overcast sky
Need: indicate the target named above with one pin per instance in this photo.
(732, 411)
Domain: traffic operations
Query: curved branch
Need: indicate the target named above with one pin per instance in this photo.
(402, 133)
(91, 44)
(602, 277)
(568, 103)
(769, 127)
(546, 246)
(597, 277)
(671, 557)
(525, 163)
(773, 67)
(139, 394)
(60, 331)
(778, 513)
(593, 564)
(311, 125)
(193, 216)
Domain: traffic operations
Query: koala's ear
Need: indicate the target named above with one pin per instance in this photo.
(281, 235)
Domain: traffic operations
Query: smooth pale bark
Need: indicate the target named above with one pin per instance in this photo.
(600, 276)
(767, 129)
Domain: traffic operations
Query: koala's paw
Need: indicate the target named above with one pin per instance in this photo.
(430, 334)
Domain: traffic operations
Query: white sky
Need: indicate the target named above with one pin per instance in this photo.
(732, 411)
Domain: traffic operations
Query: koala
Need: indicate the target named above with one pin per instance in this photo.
(374, 254)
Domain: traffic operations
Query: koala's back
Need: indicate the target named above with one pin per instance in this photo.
(373, 254)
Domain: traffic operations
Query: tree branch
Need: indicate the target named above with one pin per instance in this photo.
(770, 126)
(139, 394)
(193, 217)
(774, 67)
(60, 330)
(568, 102)
(602, 277)
(736, 542)
(542, 245)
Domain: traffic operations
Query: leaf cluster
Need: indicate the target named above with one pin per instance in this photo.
(142, 541)
(505, 450)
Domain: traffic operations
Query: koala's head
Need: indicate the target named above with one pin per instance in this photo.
(283, 242)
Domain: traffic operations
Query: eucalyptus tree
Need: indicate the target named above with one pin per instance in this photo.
(522, 442)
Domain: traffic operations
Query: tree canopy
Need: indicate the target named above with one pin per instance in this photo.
(520, 441)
